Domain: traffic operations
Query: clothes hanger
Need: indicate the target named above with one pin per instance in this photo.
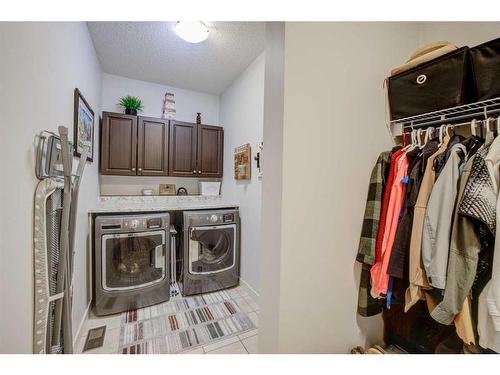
(419, 137)
(473, 127)
(429, 133)
(442, 130)
(488, 126)
(448, 128)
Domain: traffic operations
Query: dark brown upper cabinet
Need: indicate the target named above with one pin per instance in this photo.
(118, 144)
(183, 136)
(210, 151)
(152, 147)
(146, 146)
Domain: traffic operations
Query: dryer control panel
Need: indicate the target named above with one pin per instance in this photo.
(196, 218)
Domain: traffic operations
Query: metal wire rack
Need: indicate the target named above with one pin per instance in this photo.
(478, 110)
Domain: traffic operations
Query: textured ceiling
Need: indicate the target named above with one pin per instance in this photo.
(152, 51)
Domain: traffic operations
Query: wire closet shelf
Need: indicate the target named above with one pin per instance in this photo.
(478, 110)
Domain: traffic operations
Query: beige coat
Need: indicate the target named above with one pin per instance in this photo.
(417, 276)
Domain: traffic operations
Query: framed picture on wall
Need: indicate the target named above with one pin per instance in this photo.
(83, 134)
(242, 165)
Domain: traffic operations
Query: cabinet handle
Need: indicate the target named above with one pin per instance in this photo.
(194, 172)
(140, 169)
(199, 172)
(133, 169)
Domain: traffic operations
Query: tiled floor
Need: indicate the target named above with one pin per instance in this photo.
(245, 343)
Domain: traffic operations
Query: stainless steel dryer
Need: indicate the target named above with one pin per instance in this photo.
(211, 251)
(131, 262)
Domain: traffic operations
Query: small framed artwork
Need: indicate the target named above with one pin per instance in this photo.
(167, 189)
(242, 165)
(83, 133)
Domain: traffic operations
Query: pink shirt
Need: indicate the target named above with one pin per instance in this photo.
(379, 275)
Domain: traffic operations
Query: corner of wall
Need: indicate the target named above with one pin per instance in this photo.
(272, 189)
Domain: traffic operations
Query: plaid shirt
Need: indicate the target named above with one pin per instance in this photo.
(367, 305)
(366, 248)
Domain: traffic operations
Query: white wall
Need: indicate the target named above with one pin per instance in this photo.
(41, 64)
(187, 103)
(459, 33)
(241, 115)
(334, 128)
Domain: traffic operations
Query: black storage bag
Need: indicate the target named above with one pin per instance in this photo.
(437, 84)
(485, 61)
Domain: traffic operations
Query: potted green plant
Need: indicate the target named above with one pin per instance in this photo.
(131, 104)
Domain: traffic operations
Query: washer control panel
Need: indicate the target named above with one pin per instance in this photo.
(132, 223)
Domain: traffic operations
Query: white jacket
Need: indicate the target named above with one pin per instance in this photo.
(489, 301)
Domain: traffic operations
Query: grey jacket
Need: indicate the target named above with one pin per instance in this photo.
(476, 203)
(438, 218)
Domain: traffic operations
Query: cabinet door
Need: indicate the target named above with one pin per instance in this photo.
(119, 144)
(152, 147)
(182, 158)
(210, 151)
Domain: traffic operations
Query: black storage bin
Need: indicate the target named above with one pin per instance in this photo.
(485, 61)
(440, 83)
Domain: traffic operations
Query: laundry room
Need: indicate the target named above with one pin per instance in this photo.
(188, 188)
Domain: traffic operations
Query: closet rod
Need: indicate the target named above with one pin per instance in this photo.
(478, 110)
(452, 121)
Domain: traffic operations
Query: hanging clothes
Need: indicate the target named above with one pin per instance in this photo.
(441, 159)
(429, 234)
(383, 213)
(438, 219)
(367, 305)
(373, 208)
(398, 265)
(473, 231)
(380, 278)
(417, 277)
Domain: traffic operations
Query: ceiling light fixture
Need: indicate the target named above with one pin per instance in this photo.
(192, 32)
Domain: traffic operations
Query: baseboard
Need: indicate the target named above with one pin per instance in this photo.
(82, 322)
(250, 289)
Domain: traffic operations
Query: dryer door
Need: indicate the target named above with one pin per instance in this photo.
(212, 249)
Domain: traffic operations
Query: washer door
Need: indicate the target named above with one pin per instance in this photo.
(132, 260)
(212, 249)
